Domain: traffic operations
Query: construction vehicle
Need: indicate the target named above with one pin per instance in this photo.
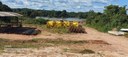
(72, 26)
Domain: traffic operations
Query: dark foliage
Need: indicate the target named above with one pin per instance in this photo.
(50, 13)
(4, 7)
(113, 17)
(39, 21)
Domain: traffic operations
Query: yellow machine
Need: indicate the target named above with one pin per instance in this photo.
(66, 23)
(62, 23)
(50, 24)
(58, 24)
(73, 26)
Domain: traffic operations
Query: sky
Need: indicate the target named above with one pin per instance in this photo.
(69, 5)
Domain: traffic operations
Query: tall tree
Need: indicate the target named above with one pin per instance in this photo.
(4, 7)
(63, 14)
(114, 9)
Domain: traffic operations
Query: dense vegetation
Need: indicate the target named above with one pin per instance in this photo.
(50, 13)
(113, 17)
(4, 7)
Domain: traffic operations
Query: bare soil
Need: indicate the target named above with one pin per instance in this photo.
(105, 45)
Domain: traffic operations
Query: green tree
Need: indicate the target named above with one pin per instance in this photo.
(113, 17)
(4, 7)
(63, 14)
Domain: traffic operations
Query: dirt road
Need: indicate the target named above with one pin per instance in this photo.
(118, 44)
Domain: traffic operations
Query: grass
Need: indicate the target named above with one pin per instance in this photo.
(4, 43)
(35, 43)
(87, 51)
(60, 30)
(126, 35)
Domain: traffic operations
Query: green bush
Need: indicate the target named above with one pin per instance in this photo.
(39, 21)
(113, 17)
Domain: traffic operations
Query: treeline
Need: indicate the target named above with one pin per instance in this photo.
(50, 13)
(112, 17)
(4, 7)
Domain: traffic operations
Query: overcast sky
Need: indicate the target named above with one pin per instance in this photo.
(69, 5)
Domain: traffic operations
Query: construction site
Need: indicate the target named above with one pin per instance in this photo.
(63, 28)
(80, 41)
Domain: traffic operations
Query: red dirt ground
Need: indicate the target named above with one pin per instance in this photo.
(117, 43)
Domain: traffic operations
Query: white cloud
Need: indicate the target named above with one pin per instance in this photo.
(69, 5)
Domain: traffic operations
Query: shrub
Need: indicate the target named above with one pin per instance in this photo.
(113, 17)
(39, 21)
